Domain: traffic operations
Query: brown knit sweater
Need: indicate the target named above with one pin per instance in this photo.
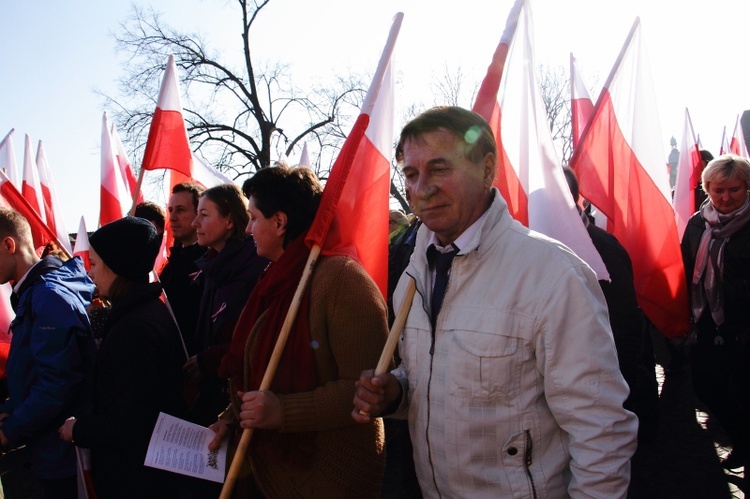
(348, 322)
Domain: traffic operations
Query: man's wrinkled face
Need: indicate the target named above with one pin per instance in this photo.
(447, 191)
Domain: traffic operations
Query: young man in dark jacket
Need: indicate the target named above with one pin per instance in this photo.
(51, 356)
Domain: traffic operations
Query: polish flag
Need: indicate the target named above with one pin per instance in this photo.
(10, 197)
(168, 145)
(31, 188)
(620, 167)
(81, 247)
(688, 177)
(724, 148)
(126, 167)
(8, 158)
(115, 199)
(737, 142)
(52, 206)
(581, 105)
(353, 215)
(304, 160)
(525, 148)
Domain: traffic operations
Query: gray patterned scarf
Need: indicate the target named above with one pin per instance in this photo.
(709, 261)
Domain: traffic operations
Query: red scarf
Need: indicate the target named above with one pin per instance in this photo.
(296, 370)
(273, 295)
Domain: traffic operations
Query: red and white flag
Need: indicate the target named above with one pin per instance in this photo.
(581, 105)
(737, 142)
(304, 160)
(353, 215)
(688, 177)
(10, 197)
(115, 200)
(168, 145)
(126, 167)
(621, 170)
(724, 147)
(31, 188)
(81, 247)
(510, 100)
(52, 206)
(8, 158)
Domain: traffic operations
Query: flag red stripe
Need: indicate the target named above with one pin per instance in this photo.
(640, 217)
(364, 238)
(40, 233)
(336, 183)
(167, 145)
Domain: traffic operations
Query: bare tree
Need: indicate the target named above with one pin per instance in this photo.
(239, 118)
(554, 84)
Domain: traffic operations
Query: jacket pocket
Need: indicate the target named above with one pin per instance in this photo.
(486, 353)
(483, 365)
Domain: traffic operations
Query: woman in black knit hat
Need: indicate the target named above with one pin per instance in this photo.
(138, 366)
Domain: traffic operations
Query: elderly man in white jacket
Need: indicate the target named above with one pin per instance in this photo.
(511, 386)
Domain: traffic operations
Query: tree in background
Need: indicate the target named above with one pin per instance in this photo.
(239, 117)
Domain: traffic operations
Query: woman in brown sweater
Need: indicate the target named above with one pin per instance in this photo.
(305, 443)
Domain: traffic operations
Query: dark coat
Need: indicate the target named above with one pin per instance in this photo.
(138, 375)
(229, 278)
(51, 362)
(184, 289)
(736, 280)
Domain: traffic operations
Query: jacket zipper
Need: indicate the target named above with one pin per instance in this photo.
(527, 461)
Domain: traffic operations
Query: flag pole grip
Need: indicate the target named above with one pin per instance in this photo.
(398, 326)
(278, 350)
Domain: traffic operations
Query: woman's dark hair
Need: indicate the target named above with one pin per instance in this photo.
(229, 200)
(120, 286)
(293, 191)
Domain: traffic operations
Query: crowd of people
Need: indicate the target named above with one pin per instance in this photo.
(518, 374)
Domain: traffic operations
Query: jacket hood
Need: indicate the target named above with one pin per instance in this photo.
(72, 276)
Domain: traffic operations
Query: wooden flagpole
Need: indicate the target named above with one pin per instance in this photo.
(278, 350)
(398, 325)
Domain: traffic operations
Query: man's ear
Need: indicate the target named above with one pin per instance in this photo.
(280, 220)
(489, 162)
(8, 245)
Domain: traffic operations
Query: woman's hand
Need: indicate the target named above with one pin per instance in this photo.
(261, 410)
(221, 428)
(66, 430)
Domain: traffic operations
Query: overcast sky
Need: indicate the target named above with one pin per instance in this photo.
(54, 54)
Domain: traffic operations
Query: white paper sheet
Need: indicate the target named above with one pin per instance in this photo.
(181, 447)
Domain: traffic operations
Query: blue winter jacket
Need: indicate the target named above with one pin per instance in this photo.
(50, 366)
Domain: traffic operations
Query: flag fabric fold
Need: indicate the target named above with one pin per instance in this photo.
(517, 115)
(304, 160)
(688, 177)
(52, 206)
(115, 200)
(167, 145)
(581, 105)
(81, 247)
(11, 197)
(621, 170)
(352, 218)
(737, 141)
(8, 158)
(30, 186)
(126, 167)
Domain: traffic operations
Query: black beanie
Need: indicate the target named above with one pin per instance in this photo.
(127, 246)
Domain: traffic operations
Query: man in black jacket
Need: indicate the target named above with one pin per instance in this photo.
(180, 277)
